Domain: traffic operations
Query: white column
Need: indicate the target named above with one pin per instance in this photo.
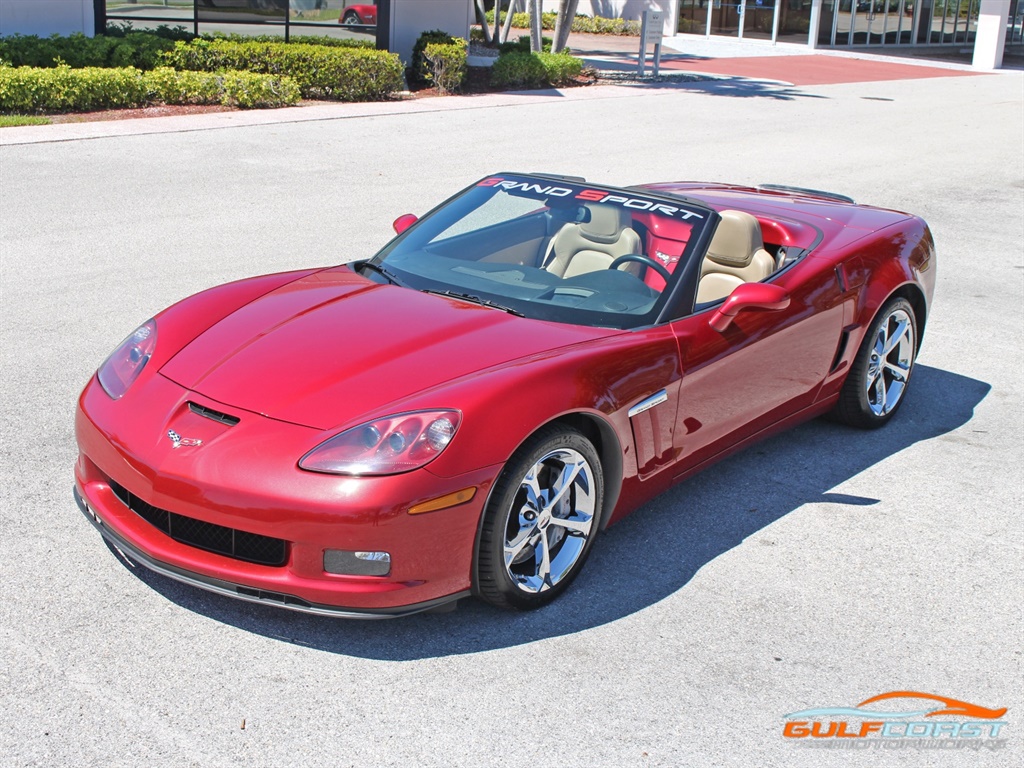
(812, 33)
(991, 37)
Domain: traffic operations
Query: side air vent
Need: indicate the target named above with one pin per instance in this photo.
(209, 413)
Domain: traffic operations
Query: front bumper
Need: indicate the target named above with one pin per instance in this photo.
(250, 594)
(243, 480)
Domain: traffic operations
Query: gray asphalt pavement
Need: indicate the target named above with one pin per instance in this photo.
(817, 569)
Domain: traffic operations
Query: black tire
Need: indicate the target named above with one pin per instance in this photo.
(556, 457)
(351, 18)
(874, 389)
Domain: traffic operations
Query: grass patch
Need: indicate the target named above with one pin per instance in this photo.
(9, 121)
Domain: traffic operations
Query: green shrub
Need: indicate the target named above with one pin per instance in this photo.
(163, 31)
(345, 74)
(522, 45)
(420, 68)
(172, 86)
(522, 20)
(535, 70)
(63, 89)
(560, 68)
(518, 70)
(597, 25)
(132, 49)
(247, 90)
(448, 64)
(331, 42)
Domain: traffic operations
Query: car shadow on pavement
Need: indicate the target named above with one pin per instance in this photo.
(647, 557)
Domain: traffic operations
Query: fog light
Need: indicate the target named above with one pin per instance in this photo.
(347, 563)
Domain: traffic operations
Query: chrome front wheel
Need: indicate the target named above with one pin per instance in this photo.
(541, 521)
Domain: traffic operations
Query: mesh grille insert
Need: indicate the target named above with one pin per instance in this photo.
(240, 545)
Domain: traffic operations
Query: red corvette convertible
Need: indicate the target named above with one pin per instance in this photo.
(358, 13)
(512, 374)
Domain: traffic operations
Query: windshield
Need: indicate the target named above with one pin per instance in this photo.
(549, 249)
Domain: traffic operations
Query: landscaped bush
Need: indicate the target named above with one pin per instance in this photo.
(172, 86)
(597, 25)
(63, 89)
(345, 74)
(331, 42)
(522, 45)
(448, 64)
(166, 32)
(535, 70)
(518, 70)
(420, 69)
(133, 49)
(560, 68)
(248, 90)
(522, 20)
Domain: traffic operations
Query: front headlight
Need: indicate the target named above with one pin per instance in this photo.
(127, 361)
(387, 446)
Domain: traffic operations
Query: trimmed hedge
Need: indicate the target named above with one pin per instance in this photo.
(448, 61)
(246, 90)
(535, 70)
(133, 49)
(595, 25)
(63, 89)
(330, 42)
(345, 74)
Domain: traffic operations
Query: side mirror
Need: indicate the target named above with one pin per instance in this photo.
(403, 222)
(763, 296)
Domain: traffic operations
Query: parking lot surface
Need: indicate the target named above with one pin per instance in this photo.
(817, 569)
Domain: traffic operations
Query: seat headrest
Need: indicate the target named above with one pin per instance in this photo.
(736, 240)
(605, 224)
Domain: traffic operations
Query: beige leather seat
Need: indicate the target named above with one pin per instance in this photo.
(736, 256)
(593, 245)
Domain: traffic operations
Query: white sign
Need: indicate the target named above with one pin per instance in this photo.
(654, 27)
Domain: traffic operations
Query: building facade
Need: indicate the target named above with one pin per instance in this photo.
(985, 26)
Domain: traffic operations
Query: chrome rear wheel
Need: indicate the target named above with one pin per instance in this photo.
(877, 383)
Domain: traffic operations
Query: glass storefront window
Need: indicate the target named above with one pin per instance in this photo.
(333, 18)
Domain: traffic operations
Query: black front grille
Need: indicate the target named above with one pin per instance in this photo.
(240, 545)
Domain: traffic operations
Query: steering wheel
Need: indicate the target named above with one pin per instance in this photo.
(646, 261)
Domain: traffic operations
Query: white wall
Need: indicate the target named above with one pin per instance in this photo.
(411, 18)
(46, 17)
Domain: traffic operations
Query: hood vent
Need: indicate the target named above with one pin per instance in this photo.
(209, 413)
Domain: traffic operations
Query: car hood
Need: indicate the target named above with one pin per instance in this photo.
(334, 346)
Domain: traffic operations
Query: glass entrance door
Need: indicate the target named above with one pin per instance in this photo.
(750, 19)
(727, 17)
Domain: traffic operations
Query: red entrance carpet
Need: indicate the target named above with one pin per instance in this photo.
(811, 70)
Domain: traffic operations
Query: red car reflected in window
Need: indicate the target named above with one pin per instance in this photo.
(359, 13)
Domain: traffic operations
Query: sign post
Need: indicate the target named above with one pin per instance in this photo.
(652, 30)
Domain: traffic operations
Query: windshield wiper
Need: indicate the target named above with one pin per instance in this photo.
(475, 300)
(385, 273)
